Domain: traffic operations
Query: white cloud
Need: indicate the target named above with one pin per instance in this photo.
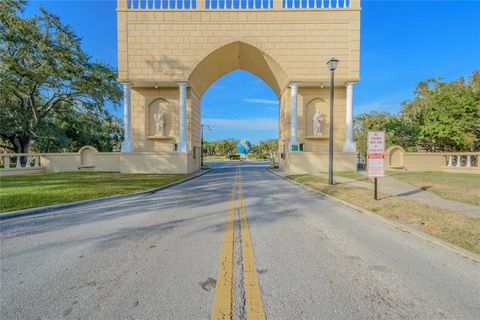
(261, 101)
(253, 124)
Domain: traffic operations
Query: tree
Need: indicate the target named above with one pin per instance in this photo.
(68, 132)
(397, 131)
(44, 71)
(443, 116)
(447, 114)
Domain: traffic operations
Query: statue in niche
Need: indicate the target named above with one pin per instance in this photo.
(159, 123)
(318, 123)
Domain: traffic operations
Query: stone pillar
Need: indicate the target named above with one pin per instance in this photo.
(469, 161)
(127, 145)
(182, 146)
(349, 145)
(293, 116)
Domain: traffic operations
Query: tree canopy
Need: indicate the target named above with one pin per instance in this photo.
(442, 116)
(229, 146)
(46, 81)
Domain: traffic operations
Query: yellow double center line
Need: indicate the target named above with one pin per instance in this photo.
(223, 302)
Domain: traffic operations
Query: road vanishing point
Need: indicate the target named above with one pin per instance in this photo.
(236, 243)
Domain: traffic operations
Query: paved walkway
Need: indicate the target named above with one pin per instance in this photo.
(392, 186)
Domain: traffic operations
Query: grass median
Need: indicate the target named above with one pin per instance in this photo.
(454, 186)
(37, 190)
(454, 227)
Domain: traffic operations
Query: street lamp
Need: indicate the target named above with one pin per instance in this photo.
(201, 148)
(332, 65)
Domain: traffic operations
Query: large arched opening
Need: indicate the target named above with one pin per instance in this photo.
(242, 60)
(239, 105)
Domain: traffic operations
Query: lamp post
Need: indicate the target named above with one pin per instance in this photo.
(332, 65)
(201, 149)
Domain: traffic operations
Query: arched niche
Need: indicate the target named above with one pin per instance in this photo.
(87, 154)
(395, 156)
(157, 106)
(314, 105)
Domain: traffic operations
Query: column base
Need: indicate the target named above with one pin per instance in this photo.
(350, 146)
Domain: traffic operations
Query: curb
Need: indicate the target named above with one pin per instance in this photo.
(426, 237)
(56, 207)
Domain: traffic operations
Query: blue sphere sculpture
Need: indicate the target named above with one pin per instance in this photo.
(244, 147)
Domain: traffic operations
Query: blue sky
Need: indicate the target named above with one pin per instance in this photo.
(402, 43)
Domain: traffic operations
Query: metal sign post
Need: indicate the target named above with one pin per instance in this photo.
(376, 158)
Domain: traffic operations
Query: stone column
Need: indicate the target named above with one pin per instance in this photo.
(182, 146)
(469, 161)
(127, 145)
(293, 116)
(349, 145)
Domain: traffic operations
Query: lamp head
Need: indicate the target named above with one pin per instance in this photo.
(332, 64)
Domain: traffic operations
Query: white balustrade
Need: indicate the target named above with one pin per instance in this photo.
(316, 4)
(455, 160)
(6, 160)
(162, 4)
(450, 164)
(235, 4)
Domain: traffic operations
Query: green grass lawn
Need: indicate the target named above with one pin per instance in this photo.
(454, 186)
(37, 190)
(454, 227)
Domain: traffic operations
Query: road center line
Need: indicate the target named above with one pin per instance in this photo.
(223, 301)
(253, 294)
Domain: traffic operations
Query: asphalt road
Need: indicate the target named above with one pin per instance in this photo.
(158, 257)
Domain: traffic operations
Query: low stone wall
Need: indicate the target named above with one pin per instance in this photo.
(156, 162)
(317, 162)
(396, 158)
(89, 159)
(423, 161)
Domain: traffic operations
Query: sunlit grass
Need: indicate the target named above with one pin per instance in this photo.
(36, 190)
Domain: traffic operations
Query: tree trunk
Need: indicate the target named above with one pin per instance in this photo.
(21, 144)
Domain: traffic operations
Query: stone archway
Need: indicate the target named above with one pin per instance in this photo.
(176, 54)
(227, 58)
